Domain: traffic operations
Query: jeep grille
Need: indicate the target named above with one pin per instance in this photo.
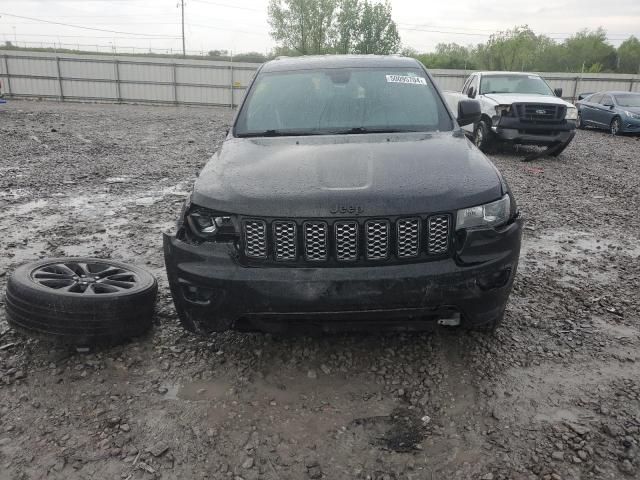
(354, 240)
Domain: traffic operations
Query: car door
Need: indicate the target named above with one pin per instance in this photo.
(607, 110)
(588, 109)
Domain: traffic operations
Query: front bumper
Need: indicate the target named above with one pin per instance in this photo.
(213, 292)
(514, 131)
(630, 125)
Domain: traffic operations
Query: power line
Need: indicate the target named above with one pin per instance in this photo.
(87, 28)
(210, 27)
(80, 36)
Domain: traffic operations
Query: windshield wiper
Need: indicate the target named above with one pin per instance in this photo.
(355, 130)
(277, 133)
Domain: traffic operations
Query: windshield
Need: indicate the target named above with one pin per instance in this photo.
(531, 84)
(336, 101)
(628, 100)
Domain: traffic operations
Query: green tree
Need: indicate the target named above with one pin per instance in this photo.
(347, 24)
(629, 56)
(591, 51)
(304, 26)
(509, 50)
(450, 55)
(377, 32)
(333, 26)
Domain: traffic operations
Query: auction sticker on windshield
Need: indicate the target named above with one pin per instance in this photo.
(406, 79)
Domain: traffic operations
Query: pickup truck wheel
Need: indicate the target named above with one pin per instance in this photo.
(81, 301)
(616, 126)
(483, 137)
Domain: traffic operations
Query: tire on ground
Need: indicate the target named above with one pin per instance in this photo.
(483, 137)
(616, 126)
(50, 299)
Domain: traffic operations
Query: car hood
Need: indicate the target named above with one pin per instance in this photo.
(509, 98)
(629, 109)
(371, 175)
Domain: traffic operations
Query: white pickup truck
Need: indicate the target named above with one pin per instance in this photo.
(518, 108)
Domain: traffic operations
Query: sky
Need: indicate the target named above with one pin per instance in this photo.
(241, 25)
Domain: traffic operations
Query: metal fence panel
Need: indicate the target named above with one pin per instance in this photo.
(146, 92)
(205, 82)
(31, 66)
(204, 76)
(36, 87)
(88, 69)
(205, 95)
(138, 72)
(75, 89)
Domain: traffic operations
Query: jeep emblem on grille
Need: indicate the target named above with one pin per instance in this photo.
(541, 112)
(347, 209)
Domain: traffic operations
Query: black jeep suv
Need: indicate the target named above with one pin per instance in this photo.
(345, 195)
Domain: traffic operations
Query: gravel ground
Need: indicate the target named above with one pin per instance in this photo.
(555, 394)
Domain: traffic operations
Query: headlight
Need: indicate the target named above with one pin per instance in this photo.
(632, 115)
(572, 114)
(501, 109)
(491, 214)
(208, 224)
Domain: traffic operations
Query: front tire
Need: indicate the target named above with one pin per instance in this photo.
(580, 122)
(483, 137)
(616, 126)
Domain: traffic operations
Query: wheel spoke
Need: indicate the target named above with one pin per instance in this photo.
(59, 268)
(120, 285)
(103, 288)
(58, 284)
(123, 277)
(85, 278)
(108, 272)
(53, 276)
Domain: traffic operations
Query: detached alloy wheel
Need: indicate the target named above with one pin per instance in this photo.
(616, 126)
(81, 301)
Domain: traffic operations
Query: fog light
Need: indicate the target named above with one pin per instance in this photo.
(495, 280)
(195, 294)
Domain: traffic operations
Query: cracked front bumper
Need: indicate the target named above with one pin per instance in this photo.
(213, 292)
(514, 131)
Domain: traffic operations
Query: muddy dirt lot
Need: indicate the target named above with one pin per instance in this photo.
(555, 394)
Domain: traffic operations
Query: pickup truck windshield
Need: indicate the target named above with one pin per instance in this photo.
(341, 101)
(628, 99)
(528, 84)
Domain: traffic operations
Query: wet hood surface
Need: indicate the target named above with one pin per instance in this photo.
(374, 174)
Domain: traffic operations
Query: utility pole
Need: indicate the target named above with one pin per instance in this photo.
(184, 52)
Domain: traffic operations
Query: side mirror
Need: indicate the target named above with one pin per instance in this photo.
(468, 112)
(471, 93)
(558, 92)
